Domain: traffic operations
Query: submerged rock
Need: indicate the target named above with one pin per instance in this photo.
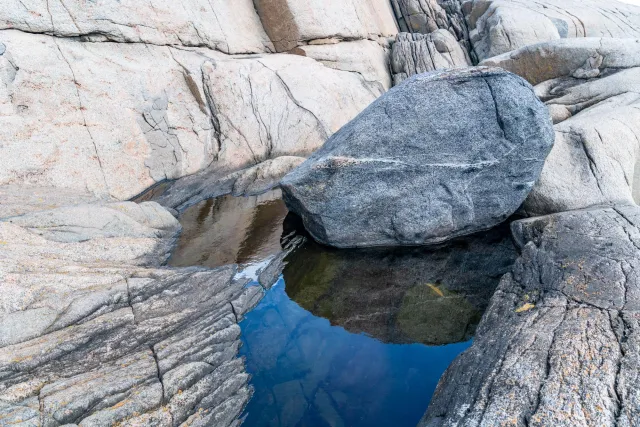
(443, 155)
(559, 343)
(433, 296)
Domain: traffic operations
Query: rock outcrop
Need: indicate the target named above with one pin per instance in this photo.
(279, 105)
(415, 53)
(414, 168)
(229, 28)
(93, 332)
(592, 88)
(428, 16)
(140, 92)
(290, 23)
(368, 58)
(559, 342)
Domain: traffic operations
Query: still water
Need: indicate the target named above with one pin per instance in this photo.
(345, 337)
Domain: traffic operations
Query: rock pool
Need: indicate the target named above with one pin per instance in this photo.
(344, 337)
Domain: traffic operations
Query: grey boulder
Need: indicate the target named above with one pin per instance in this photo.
(442, 155)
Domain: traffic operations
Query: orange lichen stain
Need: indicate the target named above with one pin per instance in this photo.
(119, 404)
(528, 306)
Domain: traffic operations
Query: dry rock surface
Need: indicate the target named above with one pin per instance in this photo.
(94, 332)
(592, 89)
(500, 26)
(142, 92)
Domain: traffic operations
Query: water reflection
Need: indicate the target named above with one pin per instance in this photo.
(404, 295)
(361, 337)
(308, 373)
(230, 230)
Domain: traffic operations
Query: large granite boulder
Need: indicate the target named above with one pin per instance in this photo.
(442, 155)
(559, 344)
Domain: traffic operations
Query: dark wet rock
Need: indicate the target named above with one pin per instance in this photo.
(265, 176)
(432, 296)
(443, 155)
(559, 344)
(270, 274)
(215, 182)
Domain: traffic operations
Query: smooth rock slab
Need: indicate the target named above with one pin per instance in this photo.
(443, 155)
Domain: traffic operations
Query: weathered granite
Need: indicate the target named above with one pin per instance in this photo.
(500, 26)
(123, 116)
(368, 58)
(216, 24)
(428, 16)
(558, 344)
(94, 332)
(442, 155)
(117, 117)
(419, 53)
(279, 105)
(290, 23)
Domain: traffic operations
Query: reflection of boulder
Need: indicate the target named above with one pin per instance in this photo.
(434, 296)
(230, 230)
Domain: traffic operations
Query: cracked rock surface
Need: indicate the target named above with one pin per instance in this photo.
(558, 344)
(413, 168)
(420, 53)
(428, 16)
(290, 23)
(216, 24)
(94, 332)
(120, 117)
(143, 92)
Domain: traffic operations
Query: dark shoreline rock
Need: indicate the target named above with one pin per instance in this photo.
(443, 155)
(560, 342)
